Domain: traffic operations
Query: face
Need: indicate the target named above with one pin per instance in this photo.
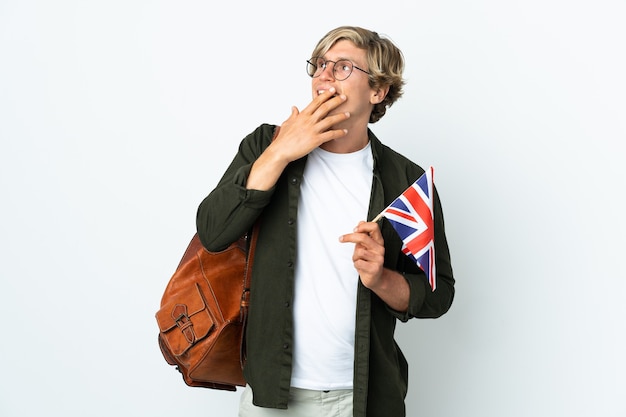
(360, 96)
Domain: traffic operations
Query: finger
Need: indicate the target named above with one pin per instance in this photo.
(326, 123)
(332, 135)
(359, 238)
(324, 103)
(294, 113)
(371, 229)
(368, 259)
(318, 100)
(329, 105)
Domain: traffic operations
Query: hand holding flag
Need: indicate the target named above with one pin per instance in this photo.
(412, 216)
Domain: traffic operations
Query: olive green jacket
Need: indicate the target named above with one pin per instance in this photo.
(380, 369)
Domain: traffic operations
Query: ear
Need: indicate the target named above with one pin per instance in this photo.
(379, 95)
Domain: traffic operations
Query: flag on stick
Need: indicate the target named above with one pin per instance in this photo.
(412, 216)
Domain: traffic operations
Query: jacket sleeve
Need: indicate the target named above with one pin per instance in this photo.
(230, 210)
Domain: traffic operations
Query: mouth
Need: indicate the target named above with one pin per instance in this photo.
(320, 92)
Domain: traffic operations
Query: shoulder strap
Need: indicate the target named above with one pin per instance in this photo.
(245, 296)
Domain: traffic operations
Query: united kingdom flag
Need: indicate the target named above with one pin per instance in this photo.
(412, 216)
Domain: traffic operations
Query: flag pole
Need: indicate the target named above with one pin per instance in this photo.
(377, 218)
(380, 215)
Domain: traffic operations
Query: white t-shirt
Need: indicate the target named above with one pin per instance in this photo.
(334, 197)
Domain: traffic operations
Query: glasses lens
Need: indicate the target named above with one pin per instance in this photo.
(343, 69)
(315, 66)
(311, 67)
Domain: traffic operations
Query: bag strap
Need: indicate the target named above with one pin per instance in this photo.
(245, 295)
(247, 275)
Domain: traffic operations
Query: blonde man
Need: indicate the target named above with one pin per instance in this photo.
(328, 286)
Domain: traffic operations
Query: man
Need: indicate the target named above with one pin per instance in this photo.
(327, 285)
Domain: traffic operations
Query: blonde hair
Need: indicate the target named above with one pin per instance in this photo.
(384, 60)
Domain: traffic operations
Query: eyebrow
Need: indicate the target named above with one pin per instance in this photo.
(341, 58)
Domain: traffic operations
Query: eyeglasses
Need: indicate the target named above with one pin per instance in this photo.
(341, 70)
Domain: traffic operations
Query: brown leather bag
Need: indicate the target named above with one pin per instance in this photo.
(203, 314)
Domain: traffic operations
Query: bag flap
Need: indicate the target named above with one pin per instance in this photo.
(184, 320)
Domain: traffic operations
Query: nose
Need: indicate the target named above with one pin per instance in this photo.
(328, 73)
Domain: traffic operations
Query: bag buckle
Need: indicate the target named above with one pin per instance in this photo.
(181, 317)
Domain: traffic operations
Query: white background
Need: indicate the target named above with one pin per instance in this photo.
(118, 117)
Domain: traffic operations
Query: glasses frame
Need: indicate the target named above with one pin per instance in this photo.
(326, 61)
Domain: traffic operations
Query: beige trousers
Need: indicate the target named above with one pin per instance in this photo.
(302, 403)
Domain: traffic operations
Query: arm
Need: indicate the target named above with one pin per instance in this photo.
(247, 185)
(404, 288)
(298, 136)
(229, 210)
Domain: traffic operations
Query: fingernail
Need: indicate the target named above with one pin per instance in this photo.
(332, 89)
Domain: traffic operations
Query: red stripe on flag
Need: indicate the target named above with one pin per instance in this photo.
(400, 213)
